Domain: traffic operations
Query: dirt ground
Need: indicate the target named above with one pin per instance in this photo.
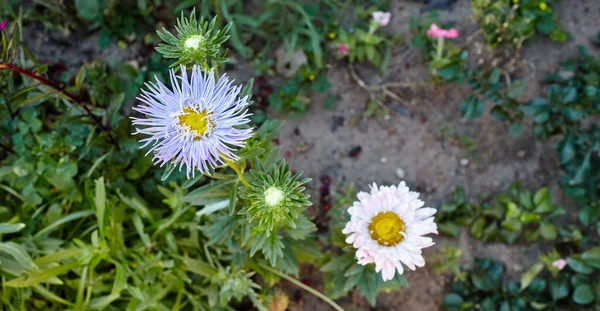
(411, 141)
(408, 142)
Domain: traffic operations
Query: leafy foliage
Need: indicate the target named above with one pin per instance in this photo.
(293, 97)
(573, 288)
(87, 222)
(513, 22)
(504, 218)
(573, 94)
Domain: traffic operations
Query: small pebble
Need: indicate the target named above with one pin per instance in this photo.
(400, 172)
(387, 117)
(383, 160)
(355, 151)
(521, 154)
(464, 162)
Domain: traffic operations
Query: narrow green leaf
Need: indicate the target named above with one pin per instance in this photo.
(10, 228)
(198, 267)
(64, 220)
(530, 275)
(100, 202)
(37, 277)
(19, 254)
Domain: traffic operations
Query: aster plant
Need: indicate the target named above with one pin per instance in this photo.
(201, 123)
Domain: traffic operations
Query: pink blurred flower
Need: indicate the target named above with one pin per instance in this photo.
(560, 264)
(382, 18)
(343, 49)
(2, 25)
(438, 32)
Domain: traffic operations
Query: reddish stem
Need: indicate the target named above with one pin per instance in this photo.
(67, 94)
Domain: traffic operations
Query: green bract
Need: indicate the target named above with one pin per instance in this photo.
(274, 196)
(196, 41)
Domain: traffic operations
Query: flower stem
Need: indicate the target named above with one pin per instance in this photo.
(440, 48)
(238, 171)
(306, 288)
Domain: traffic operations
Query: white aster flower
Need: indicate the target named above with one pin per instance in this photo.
(381, 18)
(387, 227)
(196, 123)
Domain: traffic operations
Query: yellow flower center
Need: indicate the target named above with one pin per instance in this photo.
(196, 122)
(193, 42)
(543, 6)
(387, 229)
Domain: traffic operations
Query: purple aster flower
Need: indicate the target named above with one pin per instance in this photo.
(194, 124)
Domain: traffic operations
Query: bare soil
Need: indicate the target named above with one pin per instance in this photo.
(411, 140)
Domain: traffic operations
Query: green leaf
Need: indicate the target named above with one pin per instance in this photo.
(198, 267)
(58, 256)
(100, 203)
(559, 289)
(273, 248)
(449, 229)
(449, 73)
(569, 95)
(516, 89)
(589, 215)
(512, 210)
(233, 199)
(582, 170)
(304, 227)
(215, 189)
(88, 9)
(368, 287)
(168, 171)
(592, 257)
(577, 263)
(542, 201)
(471, 107)
(583, 294)
(548, 231)
(64, 220)
(10, 228)
(337, 263)
(19, 254)
(453, 302)
(530, 275)
(190, 182)
(211, 208)
(40, 276)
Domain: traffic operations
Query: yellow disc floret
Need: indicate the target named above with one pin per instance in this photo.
(198, 123)
(387, 229)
